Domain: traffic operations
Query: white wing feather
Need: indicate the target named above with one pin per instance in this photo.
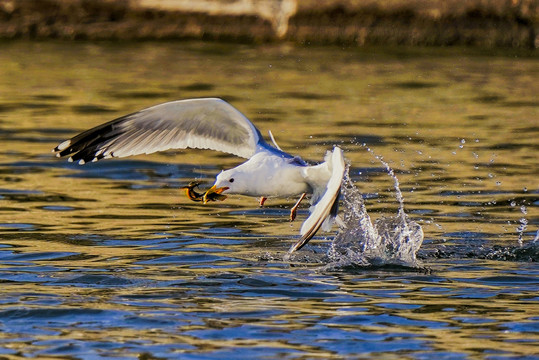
(209, 123)
(322, 209)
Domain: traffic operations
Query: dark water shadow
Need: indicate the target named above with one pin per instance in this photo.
(414, 85)
(91, 109)
(197, 87)
(306, 96)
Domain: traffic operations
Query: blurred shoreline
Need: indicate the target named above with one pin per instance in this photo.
(474, 23)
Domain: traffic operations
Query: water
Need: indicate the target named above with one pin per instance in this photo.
(110, 260)
(393, 240)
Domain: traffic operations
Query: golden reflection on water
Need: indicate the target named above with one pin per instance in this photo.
(460, 130)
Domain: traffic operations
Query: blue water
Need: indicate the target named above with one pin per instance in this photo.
(111, 260)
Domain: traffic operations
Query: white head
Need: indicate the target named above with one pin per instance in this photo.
(236, 181)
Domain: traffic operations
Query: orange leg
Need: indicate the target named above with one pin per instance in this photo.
(294, 209)
(262, 200)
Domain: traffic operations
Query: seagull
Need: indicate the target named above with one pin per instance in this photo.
(212, 123)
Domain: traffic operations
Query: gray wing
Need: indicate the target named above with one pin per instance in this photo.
(209, 123)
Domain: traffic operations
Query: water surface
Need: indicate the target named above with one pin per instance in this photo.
(111, 260)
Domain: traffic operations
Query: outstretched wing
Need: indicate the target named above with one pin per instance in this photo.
(209, 123)
(327, 206)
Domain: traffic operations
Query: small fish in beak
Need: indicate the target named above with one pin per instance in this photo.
(190, 191)
(214, 194)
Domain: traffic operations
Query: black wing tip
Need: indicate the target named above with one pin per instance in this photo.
(62, 147)
(82, 155)
(88, 146)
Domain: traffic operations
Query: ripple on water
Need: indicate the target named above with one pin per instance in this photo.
(36, 256)
(78, 284)
(96, 280)
(18, 227)
(181, 260)
(58, 208)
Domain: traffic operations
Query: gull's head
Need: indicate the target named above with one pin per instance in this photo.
(229, 182)
(225, 182)
(231, 179)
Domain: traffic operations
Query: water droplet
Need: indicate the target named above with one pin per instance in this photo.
(498, 183)
(525, 189)
(475, 155)
(522, 227)
(513, 203)
(463, 141)
(490, 175)
(523, 209)
(453, 152)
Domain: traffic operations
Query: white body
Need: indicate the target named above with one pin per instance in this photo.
(269, 175)
(215, 124)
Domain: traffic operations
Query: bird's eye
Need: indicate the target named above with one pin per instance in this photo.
(231, 180)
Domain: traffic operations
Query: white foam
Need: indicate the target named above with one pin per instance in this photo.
(392, 240)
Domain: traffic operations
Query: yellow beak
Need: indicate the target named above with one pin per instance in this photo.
(214, 194)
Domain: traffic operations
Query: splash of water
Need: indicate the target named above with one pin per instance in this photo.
(523, 225)
(392, 240)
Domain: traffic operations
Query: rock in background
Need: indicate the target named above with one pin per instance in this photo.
(479, 23)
